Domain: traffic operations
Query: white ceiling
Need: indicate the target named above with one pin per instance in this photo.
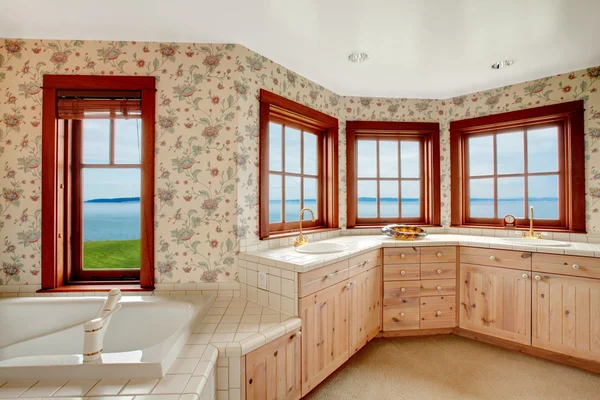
(418, 48)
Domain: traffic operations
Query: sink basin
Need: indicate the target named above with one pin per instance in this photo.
(321, 248)
(536, 242)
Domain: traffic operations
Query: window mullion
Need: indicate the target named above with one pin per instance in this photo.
(399, 179)
(525, 176)
(495, 166)
(112, 140)
(283, 128)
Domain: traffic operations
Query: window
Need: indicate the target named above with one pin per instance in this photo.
(298, 167)
(393, 173)
(506, 163)
(98, 156)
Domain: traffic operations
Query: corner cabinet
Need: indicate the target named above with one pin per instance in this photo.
(273, 371)
(339, 318)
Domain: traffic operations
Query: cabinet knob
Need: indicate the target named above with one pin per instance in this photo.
(537, 277)
(402, 314)
(438, 313)
(439, 288)
(439, 254)
(402, 255)
(299, 334)
(525, 276)
(348, 285)
(403, 290)
(402, 273)
(439, 271)
(492, 258)
(575, 266)
(329, 276)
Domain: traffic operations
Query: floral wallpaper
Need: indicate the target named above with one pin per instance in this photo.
(207, 142)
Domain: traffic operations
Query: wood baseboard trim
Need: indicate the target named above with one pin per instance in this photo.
(415, 332)
(530, 350)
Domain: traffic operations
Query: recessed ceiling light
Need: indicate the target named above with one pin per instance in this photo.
(502, 64)
(358, 57)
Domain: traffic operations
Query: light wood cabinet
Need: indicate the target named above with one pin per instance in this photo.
(566, 315)
(496, 301)
(273, 371)
(365, 308)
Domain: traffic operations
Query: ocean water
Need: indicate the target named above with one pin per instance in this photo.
(111, 221)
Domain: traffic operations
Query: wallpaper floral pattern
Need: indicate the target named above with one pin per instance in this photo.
(207, 141)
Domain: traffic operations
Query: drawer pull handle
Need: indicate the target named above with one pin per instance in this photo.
(439, 254)
(538, 278)
(402, 255)
(402, 314)
(439, 288)
(492, 258)
(402, 273)
(525, 276)
(439, 271)
(575, 266)
(403, 290)
(438, 313)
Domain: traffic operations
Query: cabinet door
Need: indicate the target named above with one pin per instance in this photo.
(325, 337)
(273, 371)
(566, 315)
(496, 301)
(365, 308)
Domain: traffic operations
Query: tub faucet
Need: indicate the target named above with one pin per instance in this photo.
(95, 329)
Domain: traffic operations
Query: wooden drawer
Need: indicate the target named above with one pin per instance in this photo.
(496, 258)
(401, 314)
(402, 255)
(364, 262)
(321, 278)
(438, 287)
(394, 290)
(585, 267)
(437, 312)
(438, 254)
(401, 272)
(438, 271)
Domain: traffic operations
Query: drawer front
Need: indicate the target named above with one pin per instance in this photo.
(585, 267)
(438, 287)
(437, 312)
(401, 272)
(399, 289)
(364, 262)
(438, 271)
(401, 314)
(321, 278)
(403, 255)
(496, 258)
(438, 254)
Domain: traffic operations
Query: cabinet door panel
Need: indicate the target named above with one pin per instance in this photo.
(496, 301)
(273, 371)
(566, 315)
(325, 333)
(365, 308)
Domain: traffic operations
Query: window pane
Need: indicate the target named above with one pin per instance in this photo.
(310, 196)
(543, 196)
(481, 155)
(367, 158)
(388, 200)
(481, 198)
(410, 160)
(388, 159)
(96, 141)
(274, 146)
(509, 153)
(511, 197)
(275, 204)
(292, 198)
(310, 153)
(111, 218)
(411, 202)
(292, 151)
(542, 150)
(128, 141)
(367, 199)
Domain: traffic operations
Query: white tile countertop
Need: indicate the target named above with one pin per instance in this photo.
(288, 258)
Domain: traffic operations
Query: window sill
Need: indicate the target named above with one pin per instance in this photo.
(97, 287)
(307, 231)
(518, 228)
(375, 226)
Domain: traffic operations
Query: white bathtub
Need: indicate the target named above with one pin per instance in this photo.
(42, 338)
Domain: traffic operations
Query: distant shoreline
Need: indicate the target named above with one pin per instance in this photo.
(114, 200)
(414, 200)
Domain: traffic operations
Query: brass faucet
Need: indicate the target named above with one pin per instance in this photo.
(301, 239)
(531, 234)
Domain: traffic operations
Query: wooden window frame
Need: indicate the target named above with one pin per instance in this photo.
(571, 172)
(274, 108)
(428, 133)
(59, 188)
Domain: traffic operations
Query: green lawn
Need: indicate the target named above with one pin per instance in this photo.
(111, 254)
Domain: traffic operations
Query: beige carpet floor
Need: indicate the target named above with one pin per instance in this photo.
(450, 367)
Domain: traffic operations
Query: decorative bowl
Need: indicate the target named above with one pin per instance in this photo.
(403, 232)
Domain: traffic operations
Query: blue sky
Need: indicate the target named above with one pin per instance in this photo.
(111, 183)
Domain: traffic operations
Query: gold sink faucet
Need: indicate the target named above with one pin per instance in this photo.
(531, 234)
(301, 239)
